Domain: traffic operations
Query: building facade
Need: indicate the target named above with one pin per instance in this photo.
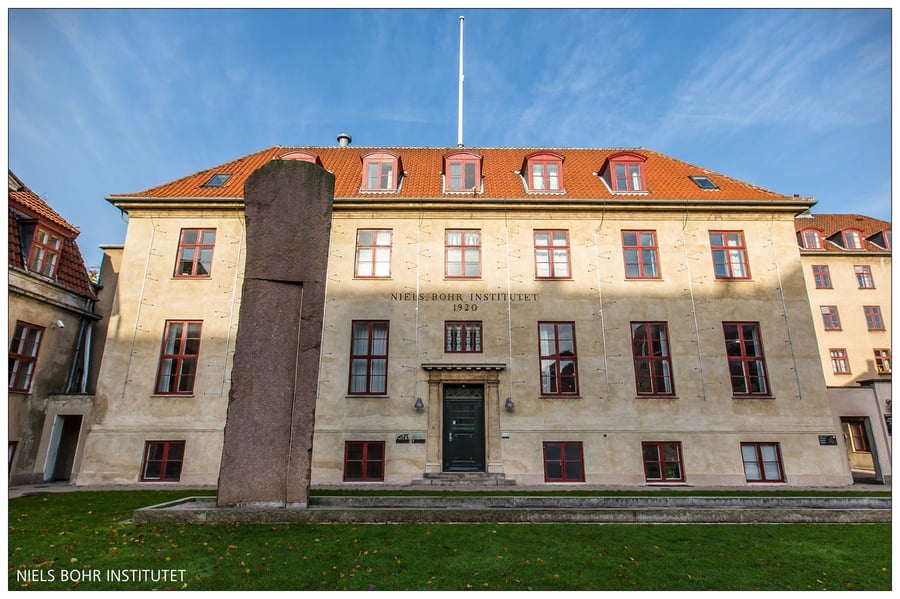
(606, 317)
(52, 316)
(847, 266)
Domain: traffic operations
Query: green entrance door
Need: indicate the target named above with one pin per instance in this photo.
(463, 428)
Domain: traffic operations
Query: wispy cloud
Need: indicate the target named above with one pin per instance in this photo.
(805, 69)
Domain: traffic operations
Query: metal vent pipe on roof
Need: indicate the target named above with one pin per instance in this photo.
(344, 139)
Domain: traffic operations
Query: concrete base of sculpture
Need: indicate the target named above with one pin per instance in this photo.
(267, 449)
(623, 509)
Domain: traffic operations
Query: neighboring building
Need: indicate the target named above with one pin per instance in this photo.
(51, 318)
(847, 266)
(597, 316)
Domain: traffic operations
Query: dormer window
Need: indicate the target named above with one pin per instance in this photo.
(625, 173)
(852, 239)
(811, 239)
(301, 156)
(381, 172)
(217, 180)
(46, 248)
(462, 172)
(882, 239)
(543, 172)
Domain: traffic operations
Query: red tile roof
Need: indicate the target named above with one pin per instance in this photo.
(24, 204)
(667, 178)
(832, 224)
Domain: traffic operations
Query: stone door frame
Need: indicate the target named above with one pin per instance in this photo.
(463, 374)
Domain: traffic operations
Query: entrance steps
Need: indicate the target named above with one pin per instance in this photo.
(463, 479)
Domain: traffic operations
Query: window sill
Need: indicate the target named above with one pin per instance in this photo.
(766, 397)
(191, 277)
(363, 278)
(174, 395)
(656, 397)
(366, 396)
(559, 397)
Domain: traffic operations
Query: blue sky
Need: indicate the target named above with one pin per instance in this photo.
(105, 101)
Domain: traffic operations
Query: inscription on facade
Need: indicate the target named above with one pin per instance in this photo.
(464, 297)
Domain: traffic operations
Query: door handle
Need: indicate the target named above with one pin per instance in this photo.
(450, 436)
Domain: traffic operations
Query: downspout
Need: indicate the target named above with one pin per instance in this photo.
(787, 321)
(87, 357)
(600, 308)
(82, 351)
(70, 381)
(687, 265)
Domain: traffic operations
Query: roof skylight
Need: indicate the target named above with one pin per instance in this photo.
(703, 182)
(217, 180)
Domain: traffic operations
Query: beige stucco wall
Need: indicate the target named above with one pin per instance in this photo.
(607, 416)
(854, 335)
(870, 402)
(41, 303)
(128, 413)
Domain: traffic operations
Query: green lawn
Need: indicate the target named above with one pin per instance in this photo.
(87, 535)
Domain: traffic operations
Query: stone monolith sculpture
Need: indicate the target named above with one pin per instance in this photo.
(267, 452)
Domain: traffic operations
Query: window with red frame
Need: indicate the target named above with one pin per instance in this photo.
(641, 254)
(380, 172)
(746, 362)
(563, 462)
(559, 367)
(544, 172)
(864, 277)
(162, 461)
(859, 441)
(729, 253)
(883, 360)
(463, 254)
(821, 276)
(23, 355)
(874, 321)
(195, 251)
(852, 239)
(551, 255)
(762, 462)
(839, 362)
(364, 461)
(811, 239)
(462, 337)
(369, 357)
(46, 248)
(652, 361)
(831, 320)
(178, 358)
(373, 253)
(462, 172)
(626, 173)
(662, 461)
